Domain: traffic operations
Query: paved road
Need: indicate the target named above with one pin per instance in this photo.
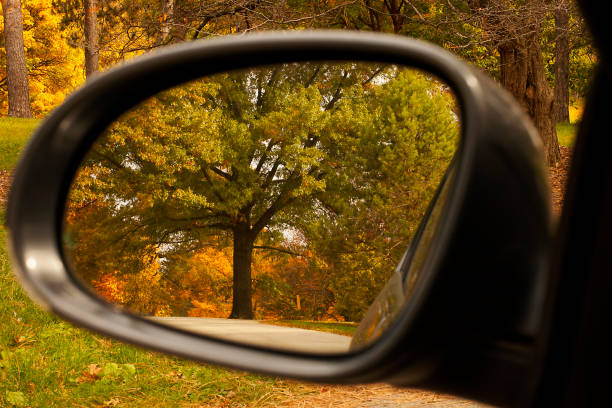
(261, 334)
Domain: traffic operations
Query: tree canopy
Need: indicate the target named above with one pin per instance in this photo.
(305, 178)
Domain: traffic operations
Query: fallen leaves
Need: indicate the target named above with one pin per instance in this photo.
(19, 339)
(105, 343)
(113, 402)
(108, 372)
(347, 396)
(15, 398)
(90, 374)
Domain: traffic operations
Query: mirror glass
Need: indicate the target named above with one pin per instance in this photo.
(268, 206)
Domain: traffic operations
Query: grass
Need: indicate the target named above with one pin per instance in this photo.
(566, 133)
(345, 329)
(14, 134)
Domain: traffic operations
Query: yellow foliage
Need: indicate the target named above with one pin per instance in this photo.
(150, 273)
(209, 309)
(575, 111)
(54, 67)
(163, 311)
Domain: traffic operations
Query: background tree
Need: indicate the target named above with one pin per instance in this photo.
(507, 38)
(128, 28)
(562, 59)
(53, 65)
(512, 32)
(16, 70)
(247, 160)
(516, 33)
(573, 56)
(167, 19)
(91, 37)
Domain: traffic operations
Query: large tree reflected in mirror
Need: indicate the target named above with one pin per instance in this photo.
(284, 194)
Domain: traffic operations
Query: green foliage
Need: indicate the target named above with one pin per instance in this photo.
(583, 61)
(116, 372)
(419, 136)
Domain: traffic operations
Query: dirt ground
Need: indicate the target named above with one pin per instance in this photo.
(558, 178)
(5, 183)
(373, 396)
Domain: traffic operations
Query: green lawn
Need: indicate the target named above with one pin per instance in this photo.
(566, 133)
(14, 134)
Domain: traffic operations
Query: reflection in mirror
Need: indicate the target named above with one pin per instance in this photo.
(267, 206)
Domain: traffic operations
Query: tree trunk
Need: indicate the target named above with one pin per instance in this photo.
(243, 254)
(92, 50)
(522, 73)
(562, 61)
(517, 35)
(166, 19)
(16, 70)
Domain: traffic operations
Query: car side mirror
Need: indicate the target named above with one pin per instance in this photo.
(130, 146)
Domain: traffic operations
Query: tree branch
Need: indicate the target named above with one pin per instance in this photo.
(337, 94)
(270, 248)
(264, 156)
(221, 173)
(313, 76)
(215, 192)
(378, 71)
(112, 161)
(271, 173)
(273, 209)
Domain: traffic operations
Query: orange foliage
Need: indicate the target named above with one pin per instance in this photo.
(111, 288)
